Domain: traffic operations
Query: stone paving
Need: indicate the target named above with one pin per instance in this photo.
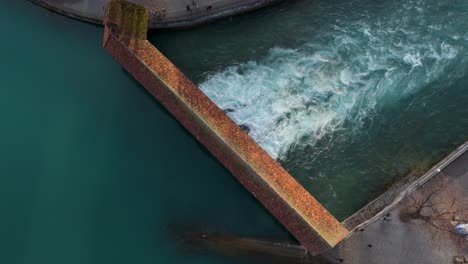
(390, 240)
(186, 12)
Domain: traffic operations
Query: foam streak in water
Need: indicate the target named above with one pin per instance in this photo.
(347, 70)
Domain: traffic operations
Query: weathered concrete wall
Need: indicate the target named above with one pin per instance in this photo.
(175, 13)
(278, 191)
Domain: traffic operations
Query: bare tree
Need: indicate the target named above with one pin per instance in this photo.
(442, 205)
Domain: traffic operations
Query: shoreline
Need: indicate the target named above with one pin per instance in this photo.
(176, 17)
(371, 223)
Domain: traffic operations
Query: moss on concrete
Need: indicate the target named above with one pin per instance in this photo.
(128, 19)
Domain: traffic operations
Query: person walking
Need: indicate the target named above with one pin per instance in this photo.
(158, 11)
(155, 13)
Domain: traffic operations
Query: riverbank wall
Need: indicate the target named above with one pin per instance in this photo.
(166, 15)
(386, 202)
(379, 235)
(302, 215)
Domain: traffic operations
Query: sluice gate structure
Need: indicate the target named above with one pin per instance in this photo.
(125, 38)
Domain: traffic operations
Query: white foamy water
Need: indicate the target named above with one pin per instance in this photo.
(344, 73)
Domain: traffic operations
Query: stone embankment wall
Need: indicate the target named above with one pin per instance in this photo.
(164, 14)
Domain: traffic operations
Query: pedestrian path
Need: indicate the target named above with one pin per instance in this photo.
(393, 240)
(165, 14)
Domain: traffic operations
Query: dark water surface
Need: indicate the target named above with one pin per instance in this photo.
(92, 169)
(347, 95)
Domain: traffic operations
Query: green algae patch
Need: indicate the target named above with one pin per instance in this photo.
(127, 19)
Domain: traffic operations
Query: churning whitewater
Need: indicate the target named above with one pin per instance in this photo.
(353, 65)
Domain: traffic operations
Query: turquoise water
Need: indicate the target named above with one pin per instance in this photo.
(93, 170)
(348, 96)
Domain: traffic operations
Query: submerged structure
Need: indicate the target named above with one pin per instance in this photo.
(125, 39)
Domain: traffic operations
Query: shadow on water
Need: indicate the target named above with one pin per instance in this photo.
(203, 240)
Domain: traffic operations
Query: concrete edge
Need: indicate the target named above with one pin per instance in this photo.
(176, 24)
(275, 188)
(218, 14)
(257, 192)
(407, 188)
(68, 13)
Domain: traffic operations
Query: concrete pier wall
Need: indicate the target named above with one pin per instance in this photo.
(276, 189)
(164, 14)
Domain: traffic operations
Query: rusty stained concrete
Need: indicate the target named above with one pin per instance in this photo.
(268, 181)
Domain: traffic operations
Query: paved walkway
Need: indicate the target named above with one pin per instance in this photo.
(188, 8)
(393, 241)
(177, 13)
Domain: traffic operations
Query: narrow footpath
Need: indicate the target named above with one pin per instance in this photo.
(165, 14)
